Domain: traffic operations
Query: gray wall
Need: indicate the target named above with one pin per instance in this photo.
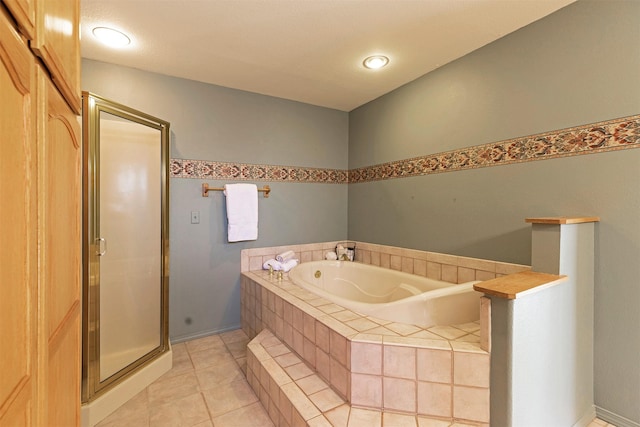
(577, 66)
(226, 125)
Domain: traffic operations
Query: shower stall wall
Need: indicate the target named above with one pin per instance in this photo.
(125, 247)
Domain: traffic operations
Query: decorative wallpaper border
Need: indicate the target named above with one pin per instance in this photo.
(202, 169)
(610, 135)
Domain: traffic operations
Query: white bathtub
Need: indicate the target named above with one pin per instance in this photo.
(389, 294)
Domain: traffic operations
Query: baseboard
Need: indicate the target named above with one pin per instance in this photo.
(615, 419)
(182, 338)
(587, 417)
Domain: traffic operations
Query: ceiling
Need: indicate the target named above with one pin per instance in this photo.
(304, 50)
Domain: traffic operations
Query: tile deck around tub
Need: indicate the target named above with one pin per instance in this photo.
(374, 364)
(465, 337)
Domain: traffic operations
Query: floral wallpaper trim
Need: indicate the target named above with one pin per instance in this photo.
(617, 134)
(587, 139)
(202, 169)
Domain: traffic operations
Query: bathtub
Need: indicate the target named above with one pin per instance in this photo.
(388, 294)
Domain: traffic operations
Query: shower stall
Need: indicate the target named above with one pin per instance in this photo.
(125, 341)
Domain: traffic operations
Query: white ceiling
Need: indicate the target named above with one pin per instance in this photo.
(304, 50)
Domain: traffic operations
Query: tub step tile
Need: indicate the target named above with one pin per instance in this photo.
(295, 391)
(296, 395)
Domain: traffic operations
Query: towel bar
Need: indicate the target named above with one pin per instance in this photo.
(205, 190)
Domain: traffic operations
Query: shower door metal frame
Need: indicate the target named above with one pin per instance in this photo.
(92, 106)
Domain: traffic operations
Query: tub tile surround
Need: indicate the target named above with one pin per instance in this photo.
(433, 265)
(440, 372)
(389, 367)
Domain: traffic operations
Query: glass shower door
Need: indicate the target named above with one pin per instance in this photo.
(130, 223)
(125, 233)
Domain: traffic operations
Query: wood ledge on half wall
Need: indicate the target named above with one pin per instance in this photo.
(562, 219)
(520, 284)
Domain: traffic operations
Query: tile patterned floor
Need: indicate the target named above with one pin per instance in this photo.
(207, 388)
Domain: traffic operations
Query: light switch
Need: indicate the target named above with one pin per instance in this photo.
(195, 217)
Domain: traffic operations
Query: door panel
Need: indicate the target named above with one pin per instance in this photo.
(24, 12)
(130, 222)
(57, 42)
(59, 171)
(18, 221)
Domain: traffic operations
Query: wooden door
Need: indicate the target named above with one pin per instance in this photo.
(18, 230)
(57, 42)
(24, 12)
(60, 256)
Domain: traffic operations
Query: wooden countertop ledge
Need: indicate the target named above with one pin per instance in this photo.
(518, 285)
(562, 219)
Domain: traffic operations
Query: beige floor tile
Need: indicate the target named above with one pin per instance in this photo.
(179, 351)
(238, 348)
(180, 366)
(185, 412)
(229, 398)
(234, 336)
(212, 341)
(242, 364)
(218, 375)
(252, 415)
(137, 408)
(211, 356)
(166, 390)
(138, 420)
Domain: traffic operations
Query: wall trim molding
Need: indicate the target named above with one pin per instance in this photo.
(615, 419)
(617, 134)
(203, 169)
(611, 135)
(202, 334)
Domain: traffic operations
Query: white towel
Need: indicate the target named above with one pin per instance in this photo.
(285, 256)
(242, 212)
(273, 264)
(288, 265)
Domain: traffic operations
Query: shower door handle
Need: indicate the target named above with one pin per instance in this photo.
(101, 239)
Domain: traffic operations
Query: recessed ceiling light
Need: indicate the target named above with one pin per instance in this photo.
(376, 61)
(111, 37)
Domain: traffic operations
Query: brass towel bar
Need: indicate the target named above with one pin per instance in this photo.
(205, 190)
